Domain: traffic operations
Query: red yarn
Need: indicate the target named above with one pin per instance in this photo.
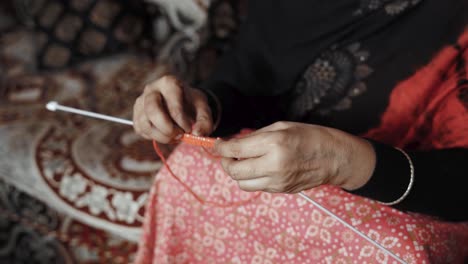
(203, 142)
(427, 111)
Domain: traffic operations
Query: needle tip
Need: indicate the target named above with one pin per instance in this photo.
(52, 106)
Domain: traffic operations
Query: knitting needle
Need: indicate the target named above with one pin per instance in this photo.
(187, 138)
(352, 228)
(54, 106)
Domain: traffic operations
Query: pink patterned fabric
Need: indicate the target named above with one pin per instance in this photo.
(279, 228)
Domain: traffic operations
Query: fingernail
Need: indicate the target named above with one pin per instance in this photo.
(196, 131)
(178, 137)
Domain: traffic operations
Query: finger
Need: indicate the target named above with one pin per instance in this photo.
(281, 125)
(150, 132)
(173, 94)
(203, 118)
(137, 114)
(139, 130)
(253, 185)
(157, 115)
(278, 126)
(157, 135)
(141, 124)
(245, 169)
(249, 147)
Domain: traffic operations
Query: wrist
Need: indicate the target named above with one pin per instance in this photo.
(361, 164)
(393, 175)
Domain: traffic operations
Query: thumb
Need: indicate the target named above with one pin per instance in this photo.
(203, 125)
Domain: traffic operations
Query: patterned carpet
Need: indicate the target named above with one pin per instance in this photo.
(73, 189)
(84, 174)
(94, 173)
(35, 233)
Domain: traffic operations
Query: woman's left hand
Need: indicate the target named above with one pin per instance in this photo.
(291, 157)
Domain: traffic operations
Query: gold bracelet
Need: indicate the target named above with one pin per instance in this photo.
(411, 183)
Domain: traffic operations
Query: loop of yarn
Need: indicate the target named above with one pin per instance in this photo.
(206, 143)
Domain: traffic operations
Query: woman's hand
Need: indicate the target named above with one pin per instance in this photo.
(166, 109)
(292, 157)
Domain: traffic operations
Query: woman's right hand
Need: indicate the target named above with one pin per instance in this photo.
(166, 109)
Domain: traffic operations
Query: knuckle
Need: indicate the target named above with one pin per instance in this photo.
(171, 83)
(175, 92)
(162, 139)
(245, 187)
(176, 110)
(203, 118)
(283, 183)
(231, 170)
(282, 124)
(137, 126)
(136, 112)
(235, 150)
(235, 174)
(178, 119)
(148, 87)
(145, 137)
(166, 127)
(152, 106)
(279, 140)
(149, 98)
(271, 190)
(150, 110)
(279, 161)
(138, 106)
(274, 188)
(169, 79)
(282, 136)
(138, 100)
(146, 130)
(251, 171)
(225, 164)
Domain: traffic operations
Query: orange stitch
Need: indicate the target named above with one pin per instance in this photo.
(205, 142)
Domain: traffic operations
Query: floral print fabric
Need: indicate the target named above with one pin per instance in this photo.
(280, 228)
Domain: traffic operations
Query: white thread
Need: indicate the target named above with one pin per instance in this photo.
(53, 106)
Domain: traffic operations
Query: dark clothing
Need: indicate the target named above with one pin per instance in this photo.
(336, 63)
